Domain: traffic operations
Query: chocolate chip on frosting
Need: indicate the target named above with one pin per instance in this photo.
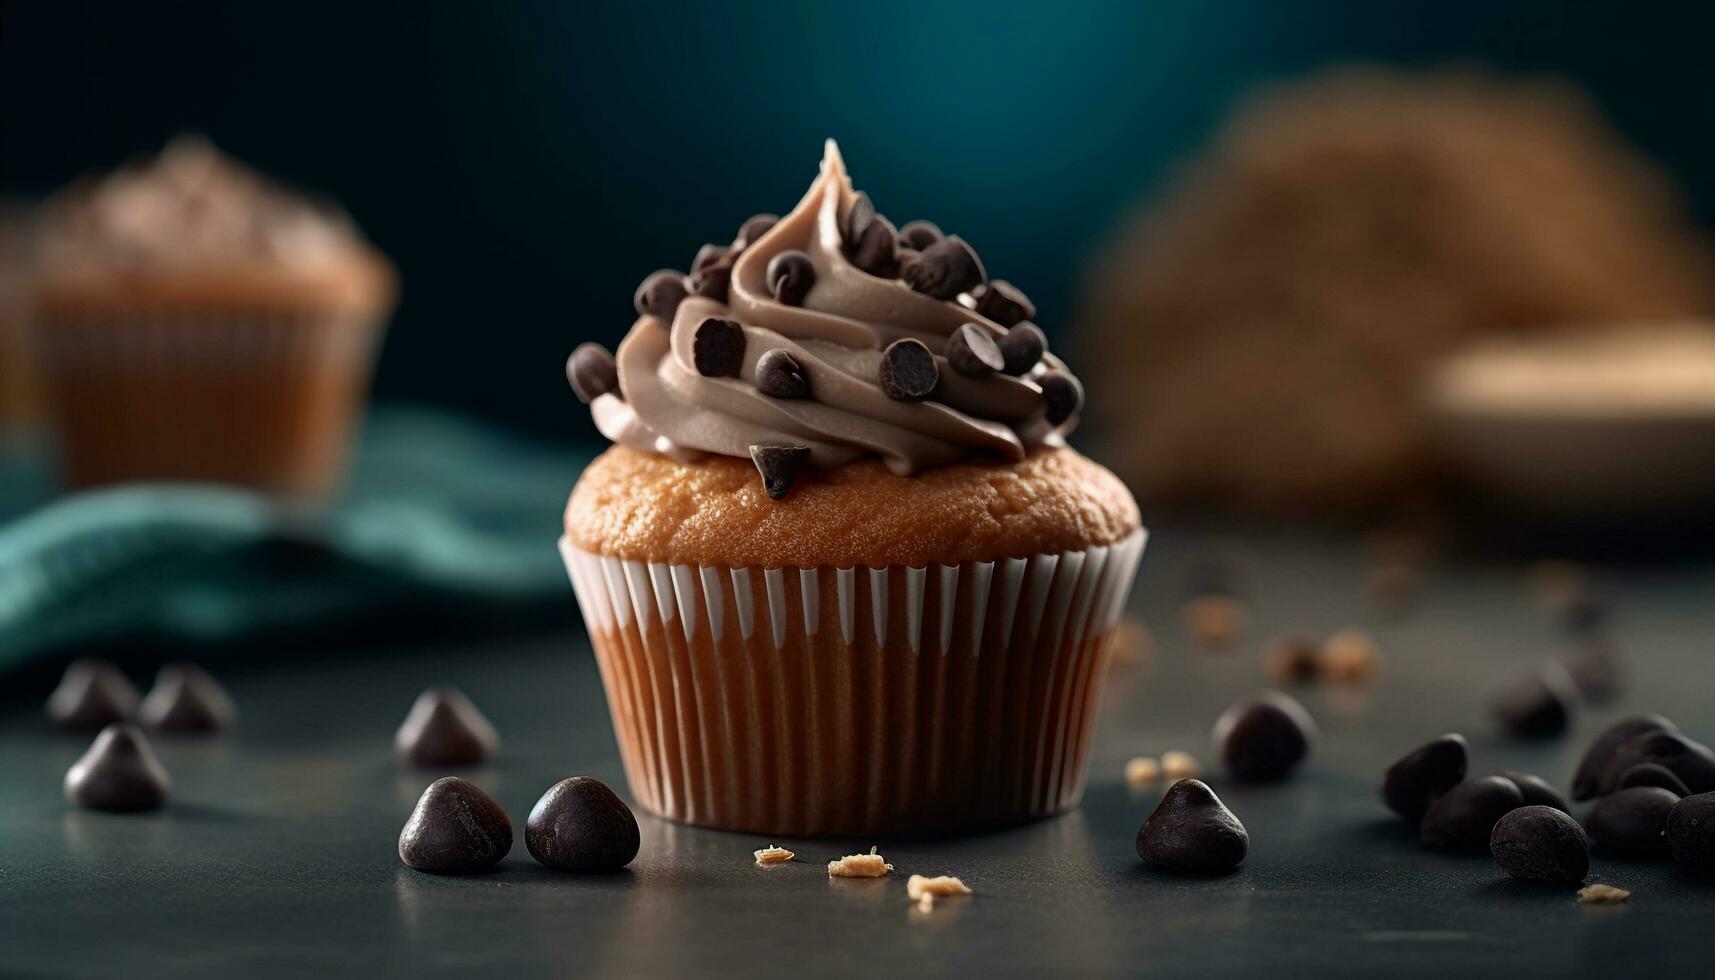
(711, 273)
(971, 350)
(591, 372)
(1064, 395)
(945, 269)
(708, 255)
(919, 234)
(778, 374)
(779, 466)
(1003, 302)
(790, 276)
(1023, 347)
(659, 294)
(754, 227)
(908, 371)
(876, 250)
(717, 349)
(858, 218)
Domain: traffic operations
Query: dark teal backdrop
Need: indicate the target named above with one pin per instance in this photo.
(526, 163)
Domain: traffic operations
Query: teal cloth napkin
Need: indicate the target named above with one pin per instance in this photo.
(442, 518)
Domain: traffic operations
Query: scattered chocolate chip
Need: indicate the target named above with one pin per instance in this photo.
(1291, 658)
(1063, 395)
(1535, 703)
(659, 295)
(1597, 771)
(456, 829)
(1691, 832)
(713, 279)
(754, 227)
(1540, 842)
(1022, 348)
(1652, 774)
(1599, 672)
(919, 235)
(1003, 302)
(1691, 761)
(779, 375)
(779, 466)
(876, 251)
(908, 371)
(1631, 821)
(1538, 791)
(1422, 775)
(1465, 815)
(945, 269)
(91, 695)
(186, 699)
(972, 350)
(119, 772)
(443, 728)
(580, 825)
(717, 348)
(592, 372)
(859, 217)
(1193, 832)
(790, 276)
(1264, 737)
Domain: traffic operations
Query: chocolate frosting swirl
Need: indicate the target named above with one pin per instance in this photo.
(665, 406)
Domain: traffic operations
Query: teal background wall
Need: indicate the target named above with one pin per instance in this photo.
(526, 163)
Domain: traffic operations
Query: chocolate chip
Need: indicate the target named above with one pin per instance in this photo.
(1691, 761)
(754, 227)
(443, 728)
(972, 350)
(592, 372)
(659, 295)
(858, 219)
(1023, 347)
(1542, 843)
(1465, 815)
(790, 276)
(1652, 774)
(908, 371)
(945, 269)
(1691, 832)
(456, 829)
(718, 348)
(1535, 703)
(708, 255)
(779, 466)
(779, 375)
(1063, 396)
(1003, 302)
(91, 695)
(1192, 832)
(1631, 821)
(919, 235)
(713, 279)
(1422, 775)
(1597, 771)
(186, 699)
(1264, 737)
(1537, 791)
(876, 251)
(118, 773)
(580, 825)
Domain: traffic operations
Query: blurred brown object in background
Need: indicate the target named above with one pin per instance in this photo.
(1349, 657)
(1215, 621)
(1264, 329)
(18, 409)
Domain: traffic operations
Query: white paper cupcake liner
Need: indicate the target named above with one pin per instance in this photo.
(812, 701)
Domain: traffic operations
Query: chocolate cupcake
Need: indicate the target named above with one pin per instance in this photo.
(193, 321)
(841, 571)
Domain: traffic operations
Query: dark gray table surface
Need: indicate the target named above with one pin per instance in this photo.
(276, 855)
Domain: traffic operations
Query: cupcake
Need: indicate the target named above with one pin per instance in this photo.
(842, 574)
(193, 321)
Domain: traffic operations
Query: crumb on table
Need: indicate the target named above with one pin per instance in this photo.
(1142, 771)
(1178, 765)
(870, 865)
(1348, 657)
(1215, 622)
(773, 854)
(939, 887)
(1600, 894)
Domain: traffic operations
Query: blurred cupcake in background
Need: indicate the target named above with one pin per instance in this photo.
(1267, 328)
(18, 411)
(193, 321)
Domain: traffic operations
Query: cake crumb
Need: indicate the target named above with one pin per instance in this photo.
(1600, 894)
(869, 865)
(926, 903)
(924, 891)
(1178, 765)
(1350, 656)
(1142, 771)
(773, 854)
(1215, 622)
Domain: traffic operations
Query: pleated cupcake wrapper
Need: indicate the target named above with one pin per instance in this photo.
(259, 398)
(851, 701)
